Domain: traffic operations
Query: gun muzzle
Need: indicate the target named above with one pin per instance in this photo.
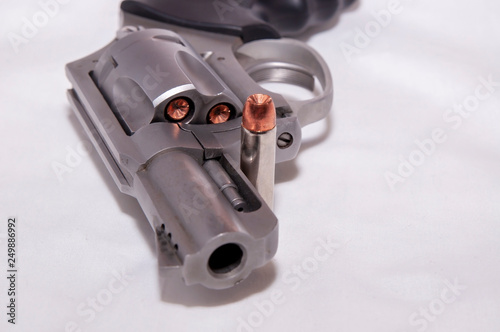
(209, 222)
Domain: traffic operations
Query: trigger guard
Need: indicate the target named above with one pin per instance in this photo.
(292, 62)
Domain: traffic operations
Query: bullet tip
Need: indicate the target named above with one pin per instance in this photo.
(259, 113)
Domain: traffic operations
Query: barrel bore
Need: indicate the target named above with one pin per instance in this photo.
(225, 259)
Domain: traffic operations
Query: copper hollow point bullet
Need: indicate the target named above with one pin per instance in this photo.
(177, 109)
(259, 114)
(258, 144)
(219, 114)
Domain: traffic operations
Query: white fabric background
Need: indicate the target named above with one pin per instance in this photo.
(396, 251)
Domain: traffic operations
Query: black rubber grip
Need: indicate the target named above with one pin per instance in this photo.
(248, 19)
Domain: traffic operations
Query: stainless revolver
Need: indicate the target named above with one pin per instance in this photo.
(164, 103)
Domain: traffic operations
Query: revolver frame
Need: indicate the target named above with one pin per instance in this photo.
(212, 226)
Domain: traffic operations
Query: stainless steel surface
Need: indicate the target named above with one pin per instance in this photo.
(183, 202)
(225, 184)
(258, 153)
(243, 67)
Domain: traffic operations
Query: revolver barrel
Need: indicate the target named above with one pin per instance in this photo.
(214, 241)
